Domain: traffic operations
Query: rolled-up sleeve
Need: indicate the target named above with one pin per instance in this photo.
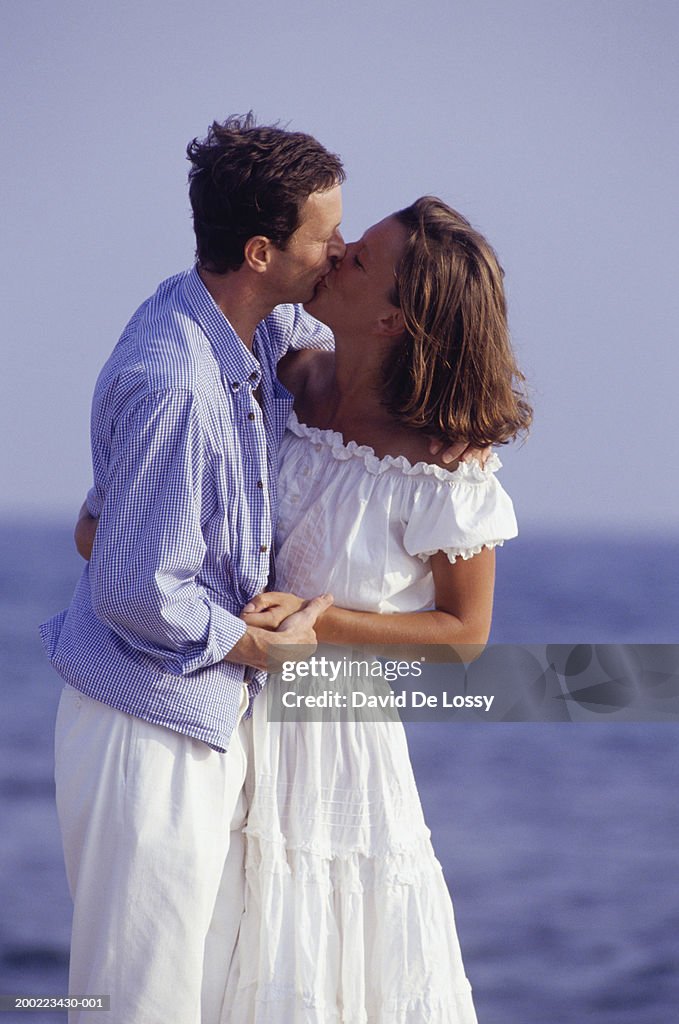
(149, 546)
(293, 329)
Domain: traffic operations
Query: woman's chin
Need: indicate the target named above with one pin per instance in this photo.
(315, 307)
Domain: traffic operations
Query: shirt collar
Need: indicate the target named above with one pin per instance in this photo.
(237, 363)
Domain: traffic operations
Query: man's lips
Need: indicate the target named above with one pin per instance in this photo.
(324, 281)
(321, 285)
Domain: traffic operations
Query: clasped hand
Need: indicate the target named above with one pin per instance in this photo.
(271, 608)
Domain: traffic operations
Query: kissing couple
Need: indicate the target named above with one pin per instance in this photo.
(290, 445)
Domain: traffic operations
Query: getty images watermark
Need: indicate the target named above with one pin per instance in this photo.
(501, 683)
(366, 675)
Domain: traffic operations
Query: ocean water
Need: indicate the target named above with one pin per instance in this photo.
(559, 841)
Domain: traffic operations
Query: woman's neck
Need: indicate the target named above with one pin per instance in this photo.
(354, 390)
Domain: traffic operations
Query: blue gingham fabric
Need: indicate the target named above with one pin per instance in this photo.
(185, 463)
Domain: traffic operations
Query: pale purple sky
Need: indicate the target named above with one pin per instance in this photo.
(551, 124)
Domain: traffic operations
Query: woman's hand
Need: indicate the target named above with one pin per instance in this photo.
(459, 452)
(270, 609)
(85, 530)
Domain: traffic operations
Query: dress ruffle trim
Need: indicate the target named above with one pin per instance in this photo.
(464, 553)
(467, 472)
(281, 850)
(324, 927)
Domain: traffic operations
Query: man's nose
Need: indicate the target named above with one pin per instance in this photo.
(337, 248)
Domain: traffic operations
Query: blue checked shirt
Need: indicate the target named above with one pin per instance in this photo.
(185, 466)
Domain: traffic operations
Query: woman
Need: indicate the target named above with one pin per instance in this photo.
(348, 916)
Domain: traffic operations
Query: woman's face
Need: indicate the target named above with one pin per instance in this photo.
(355, 296)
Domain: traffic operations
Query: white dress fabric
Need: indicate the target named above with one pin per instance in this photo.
(348, 918)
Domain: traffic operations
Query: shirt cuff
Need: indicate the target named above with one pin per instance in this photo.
(224, 632)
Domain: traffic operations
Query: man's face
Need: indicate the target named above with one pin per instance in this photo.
(311, 252)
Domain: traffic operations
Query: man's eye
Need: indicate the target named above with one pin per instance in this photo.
(358, 263)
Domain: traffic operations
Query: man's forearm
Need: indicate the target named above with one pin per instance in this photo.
(250, 650)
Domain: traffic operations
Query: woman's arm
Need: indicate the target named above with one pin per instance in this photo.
(84, 532)
(462, 616)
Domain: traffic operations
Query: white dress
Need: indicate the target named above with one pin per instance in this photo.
(348, 918)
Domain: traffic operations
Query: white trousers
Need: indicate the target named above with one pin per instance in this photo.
(151, 825)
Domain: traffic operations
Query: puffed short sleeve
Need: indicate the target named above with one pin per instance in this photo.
(460, 512)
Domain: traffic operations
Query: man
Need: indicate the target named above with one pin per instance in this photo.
(151, 746)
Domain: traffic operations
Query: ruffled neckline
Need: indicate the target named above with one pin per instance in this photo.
(470, 471)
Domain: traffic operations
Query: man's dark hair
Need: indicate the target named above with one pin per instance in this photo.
(248, 179)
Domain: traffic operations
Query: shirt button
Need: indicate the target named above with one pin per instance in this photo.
(260, 484)
(253, 376)
(251, 415)
(235, 385)
(263, 547)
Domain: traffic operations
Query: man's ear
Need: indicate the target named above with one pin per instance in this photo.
(392, 325)
(257, 253)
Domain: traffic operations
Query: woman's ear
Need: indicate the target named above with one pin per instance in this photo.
(392, 324)
(257, 253)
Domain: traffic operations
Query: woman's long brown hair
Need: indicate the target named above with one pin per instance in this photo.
(455, 375)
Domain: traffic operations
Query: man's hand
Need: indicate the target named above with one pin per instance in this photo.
(268, 649)
(270, 609)
(459, 452)
(85, 529)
